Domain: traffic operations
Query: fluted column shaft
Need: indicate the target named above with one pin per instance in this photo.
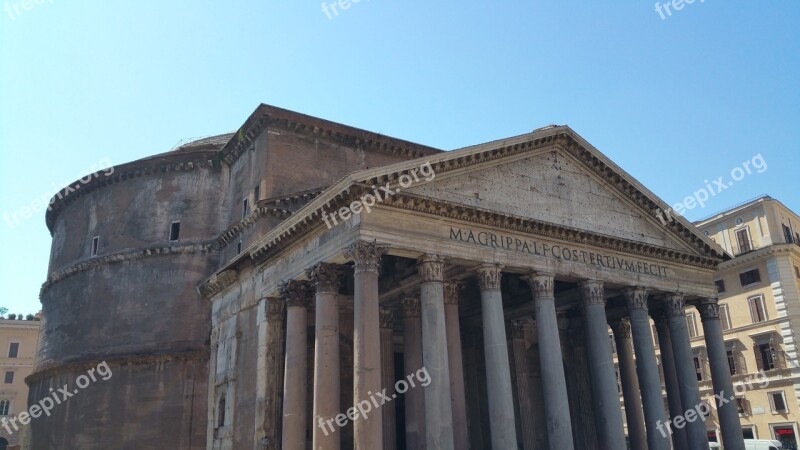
(608, 417)
(498, 370)
(387, 377)
(696, 435)
(297, 295)
(732, 436)
(679, 441)
(554, 385)
(412, 362)
(647, 369)
(367, 432)
(455, 364)
(438, 409)
(326, 357)
(634, 413)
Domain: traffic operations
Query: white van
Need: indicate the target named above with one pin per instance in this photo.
(762, 444)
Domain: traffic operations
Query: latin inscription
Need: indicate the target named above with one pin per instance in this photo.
(560, 252)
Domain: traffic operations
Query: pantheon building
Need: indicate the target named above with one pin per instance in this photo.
(304, 284)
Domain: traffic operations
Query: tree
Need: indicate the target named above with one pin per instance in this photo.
(3, 311)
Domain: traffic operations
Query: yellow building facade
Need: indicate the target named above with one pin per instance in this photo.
(759, 293)
(18, 344)
(759, 297)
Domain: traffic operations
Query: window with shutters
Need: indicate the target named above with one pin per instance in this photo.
(758, 310)
(743, 241)
(736, 361)
(742, 406)
(777, 402)
(5, 407)
(655, 335)
(750, 277)
(724, 317)
(769, 355)
(691, 324)
(787, 234)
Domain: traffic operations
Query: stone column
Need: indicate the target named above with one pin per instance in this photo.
(367, 432)
(524, 388)
(326, 356)
(269, 377)
(608, 417)
(732, 437)
(498, 368)
(387, 378)
(696, 436)
(676, 409)
(438, 410)
(297, 295)
(412, 361)
(647, 368)
(554, 387)
(455, 364)
(630, 384)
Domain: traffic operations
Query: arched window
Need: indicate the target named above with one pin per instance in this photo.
(5, 406)
(221, 412)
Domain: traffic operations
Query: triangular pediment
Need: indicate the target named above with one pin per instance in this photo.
(552, 186)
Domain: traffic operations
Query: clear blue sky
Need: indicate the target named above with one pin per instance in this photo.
(674, 102)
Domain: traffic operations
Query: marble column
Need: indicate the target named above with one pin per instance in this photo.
(696, 436)
(524, 388)
(412, 362)
(554, 387)
(608, 417)
(679, 441)
(297, 295)
(647, 368)
(326, 277)
(367, 431)
(634, 413)
(720, 374)
(498, 368)
(455, 364)
(269, 377)
(387, 378)
(438, 410)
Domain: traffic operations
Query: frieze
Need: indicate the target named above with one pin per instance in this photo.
(555, 251)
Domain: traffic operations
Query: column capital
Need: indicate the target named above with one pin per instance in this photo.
(411, 306)
(366, 255)
(489, 276)
(386, 318)
(592, 293)
(273, 309)
(326, 277)
(518, 328)
(431, 267)
(674, 305)
(621, 328)
(709, 309)
(296, 293)
(542, 284)
(636, 298)
(452, 290)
